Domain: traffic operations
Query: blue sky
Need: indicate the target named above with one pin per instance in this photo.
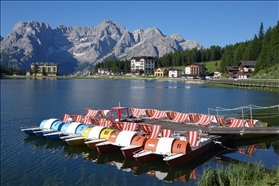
(208, 22)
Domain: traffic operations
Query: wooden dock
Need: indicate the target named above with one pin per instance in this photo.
(247, 82)
(211, 130)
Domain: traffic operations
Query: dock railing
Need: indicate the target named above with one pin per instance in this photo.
(251, 112)
(246, 83)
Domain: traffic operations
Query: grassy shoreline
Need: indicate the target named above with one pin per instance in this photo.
(240, 174)
(154, 78)
(114, 77)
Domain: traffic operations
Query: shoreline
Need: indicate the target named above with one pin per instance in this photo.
(215, 83)
(108, 77)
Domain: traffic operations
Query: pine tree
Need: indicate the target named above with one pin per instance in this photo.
(261, 32)
(227, 58)
(264, 58)
(275, 45)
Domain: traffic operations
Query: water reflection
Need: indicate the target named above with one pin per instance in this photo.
(158, 168)
(261, 150)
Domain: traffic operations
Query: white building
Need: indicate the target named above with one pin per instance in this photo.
(143, 65)
(103, 71)
(195, 70)
(44, 69)
(246, 69)
(175, 73)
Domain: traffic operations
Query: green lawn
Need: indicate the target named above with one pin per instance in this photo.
(211, 66)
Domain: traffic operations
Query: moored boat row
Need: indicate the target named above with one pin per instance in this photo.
(131, 143)
(122, 132)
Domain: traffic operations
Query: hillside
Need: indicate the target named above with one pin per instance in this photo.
(268, 73)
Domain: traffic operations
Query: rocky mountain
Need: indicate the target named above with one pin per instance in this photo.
(73, 46)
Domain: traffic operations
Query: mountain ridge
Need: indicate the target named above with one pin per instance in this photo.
(72, 46)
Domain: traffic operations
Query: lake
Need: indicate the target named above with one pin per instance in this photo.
(30, 160)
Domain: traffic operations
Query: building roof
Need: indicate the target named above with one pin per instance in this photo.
(247, 63)
(195, 64)
(175, 69)
(161, 68)
(144, 57)
(44, 63)
(232, 68)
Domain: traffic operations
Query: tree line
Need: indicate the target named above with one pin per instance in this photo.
(263, 48)
(11, 71)
(177, 58)
(115, 65)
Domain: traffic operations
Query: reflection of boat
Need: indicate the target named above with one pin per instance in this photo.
(185, 171)
(117, 159)
(109, 157)
(267, 140)
(86, 152)
(156, 165)
(130, 164)
(180, 172)
(68, 150)
(156, 168)
(250, 136)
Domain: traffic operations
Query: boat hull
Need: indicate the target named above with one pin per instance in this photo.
(107, 148)
(92, 143)
(41, 133)
(55, 136)
(75, 141)
(137, 145)
(128, 153)
(30, 131)
(147, 158)
(189, 156)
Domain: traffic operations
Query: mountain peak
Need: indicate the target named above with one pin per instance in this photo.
(106, 21)
(177, 37)
(71, 46)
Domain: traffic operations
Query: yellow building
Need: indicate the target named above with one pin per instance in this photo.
(161, 72)
(44, 69)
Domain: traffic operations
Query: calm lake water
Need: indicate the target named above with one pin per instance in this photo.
(30, 160)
